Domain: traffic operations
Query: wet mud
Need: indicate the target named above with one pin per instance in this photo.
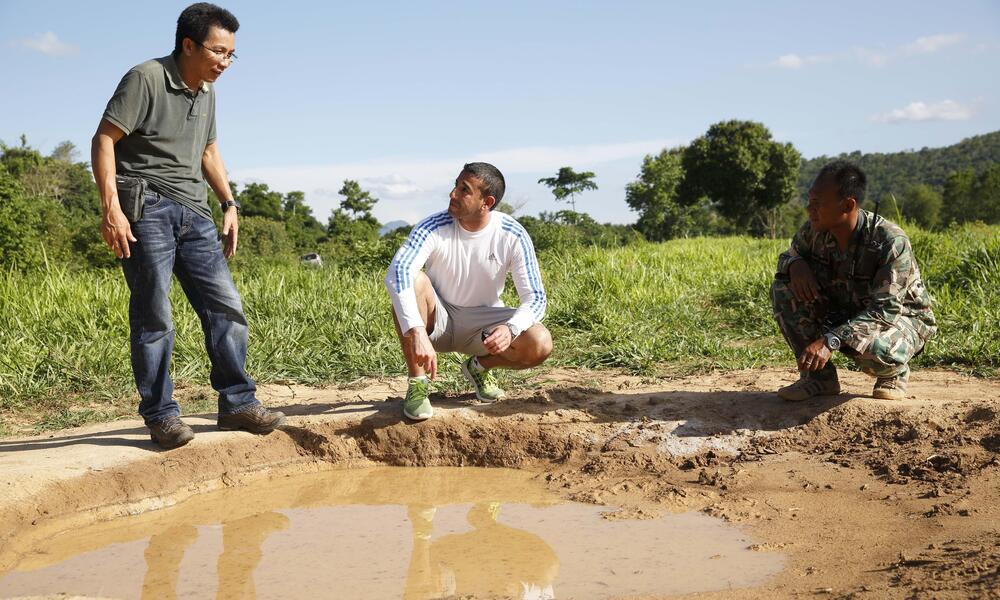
(862, 498)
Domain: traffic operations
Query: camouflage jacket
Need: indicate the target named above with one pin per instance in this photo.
(870, 286)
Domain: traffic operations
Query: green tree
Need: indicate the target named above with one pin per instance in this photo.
(20, 159)
(60, 198)
(31, 229)
(264, 238)
(258, 200)
(568, 183)
(921, 204)
(986, 194)
(654, 196)
(959, 204)
(295, 204)
(354, 220)
(742, 171)
(357, 201)
(305, 231)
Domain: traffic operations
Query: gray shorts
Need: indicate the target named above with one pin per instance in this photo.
(460, 329)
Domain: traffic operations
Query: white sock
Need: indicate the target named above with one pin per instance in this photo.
(418, 378)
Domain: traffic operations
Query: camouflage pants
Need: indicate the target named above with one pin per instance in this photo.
(890, 350)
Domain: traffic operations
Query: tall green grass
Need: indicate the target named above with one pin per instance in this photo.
(691, 304)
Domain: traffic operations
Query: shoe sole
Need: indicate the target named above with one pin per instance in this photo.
(472, 380)
(787, 398)
(417, 418)
(170, 446)
(887, 395)
(254, 430)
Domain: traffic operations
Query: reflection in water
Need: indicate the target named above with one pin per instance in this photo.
(504, 561)
(163, 561)
(344, 534)
(241, 542)
(241, 553)
(491, 560)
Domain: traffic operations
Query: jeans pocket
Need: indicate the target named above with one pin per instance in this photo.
(152, 199)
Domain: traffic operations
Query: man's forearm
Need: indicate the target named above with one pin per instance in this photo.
(215, 173)
(102, 157)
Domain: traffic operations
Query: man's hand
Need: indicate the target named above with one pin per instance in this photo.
(230, 231)
(815, 356)
(802, 282)
(423, 350)
(117, 232)
(499, 340)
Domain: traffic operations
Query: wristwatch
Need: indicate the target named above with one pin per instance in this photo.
(226, 204)
(514, 331)
(832, 341)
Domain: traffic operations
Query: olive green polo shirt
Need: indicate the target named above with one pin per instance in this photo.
(167, 127)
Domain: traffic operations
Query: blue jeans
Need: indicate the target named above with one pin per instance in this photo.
(175, 239)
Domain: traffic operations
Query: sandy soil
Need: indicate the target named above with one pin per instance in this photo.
(867, 498)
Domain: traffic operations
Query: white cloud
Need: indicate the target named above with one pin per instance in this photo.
(946, 110)
(932, 43)
(794, 61)
(790, 61)
(390, 185)
(48, 43)
(876, 57)
(410, 188)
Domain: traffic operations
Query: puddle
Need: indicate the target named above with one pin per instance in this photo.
(390, 533)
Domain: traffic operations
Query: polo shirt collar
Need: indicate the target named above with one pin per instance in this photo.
(174, 75)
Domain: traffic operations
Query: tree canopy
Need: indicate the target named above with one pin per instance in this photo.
(741, 170)
(568, 183)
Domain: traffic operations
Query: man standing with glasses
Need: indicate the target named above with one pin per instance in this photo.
(153, 152)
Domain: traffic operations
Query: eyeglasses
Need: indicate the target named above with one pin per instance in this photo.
(220, 54)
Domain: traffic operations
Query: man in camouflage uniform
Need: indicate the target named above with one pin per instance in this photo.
(849, 282)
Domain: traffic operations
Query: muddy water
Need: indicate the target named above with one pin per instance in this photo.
(390, 533)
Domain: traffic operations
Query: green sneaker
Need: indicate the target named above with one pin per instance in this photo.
(485, 383)
(416, 405)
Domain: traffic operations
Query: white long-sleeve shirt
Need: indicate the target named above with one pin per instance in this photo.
(467, 268)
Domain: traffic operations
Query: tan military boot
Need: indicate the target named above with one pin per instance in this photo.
(807, 387)
(891, 388)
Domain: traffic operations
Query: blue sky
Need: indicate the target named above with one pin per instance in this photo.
(400, 94)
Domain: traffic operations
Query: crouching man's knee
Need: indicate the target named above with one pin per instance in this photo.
(887, 356)
(781, 296)
(533, 346)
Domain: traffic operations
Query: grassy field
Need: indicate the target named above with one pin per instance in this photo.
(648, 308)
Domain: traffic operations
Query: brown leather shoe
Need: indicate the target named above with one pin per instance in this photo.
(255, 419)
(170, 433)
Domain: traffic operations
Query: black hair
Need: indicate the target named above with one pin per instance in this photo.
(850, 179)
(197, 19)
(492, 178)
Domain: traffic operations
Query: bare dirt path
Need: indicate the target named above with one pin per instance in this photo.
(867, 498)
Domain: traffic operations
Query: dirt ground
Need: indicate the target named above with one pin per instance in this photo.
(866, 498)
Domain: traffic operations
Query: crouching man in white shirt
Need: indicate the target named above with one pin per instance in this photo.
(454, 304)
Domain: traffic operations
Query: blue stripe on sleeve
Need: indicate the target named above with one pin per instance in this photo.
(415, 242)
(537, 306)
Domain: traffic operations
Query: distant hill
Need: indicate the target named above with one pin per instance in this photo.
(392, 226)
(893, 172)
